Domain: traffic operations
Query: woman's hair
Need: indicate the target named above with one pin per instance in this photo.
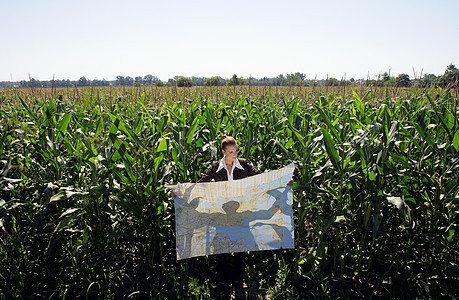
(228, 141)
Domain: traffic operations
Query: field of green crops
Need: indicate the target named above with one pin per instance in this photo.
(84, 213)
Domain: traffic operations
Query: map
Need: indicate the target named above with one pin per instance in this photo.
(250, 214)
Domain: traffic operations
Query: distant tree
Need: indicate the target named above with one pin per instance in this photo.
(150, 79)
(138, 81)
(403, 80)
(333, 82)
(428, 81)
(451, 76)
(83, 82)
(63, 83)
(299, 75)
(386, 80)
(213, 81)
(372, 83)
(385, 77)
(198, 81)
(184, 81)
(296, 79)
(280, 80)
(235, 81)
(119, 80)
(159, 83)
(451, 69)
(391, 82)
(128, 81)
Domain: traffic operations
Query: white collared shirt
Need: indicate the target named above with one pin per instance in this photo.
(236, 164)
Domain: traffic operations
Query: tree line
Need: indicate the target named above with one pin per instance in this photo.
(449, 78)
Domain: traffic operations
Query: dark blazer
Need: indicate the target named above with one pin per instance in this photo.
(222, 175)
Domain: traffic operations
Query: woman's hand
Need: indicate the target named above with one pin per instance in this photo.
(290, 183)
(173, 195)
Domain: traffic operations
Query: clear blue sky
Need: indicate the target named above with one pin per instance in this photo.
(101, 39)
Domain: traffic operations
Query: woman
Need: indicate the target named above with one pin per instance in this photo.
(230, 167)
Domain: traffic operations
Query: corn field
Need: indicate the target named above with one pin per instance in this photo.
(84, 213)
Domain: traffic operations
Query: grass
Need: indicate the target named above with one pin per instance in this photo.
(84, 212)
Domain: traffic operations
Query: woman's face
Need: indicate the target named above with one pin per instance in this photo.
(230, 152)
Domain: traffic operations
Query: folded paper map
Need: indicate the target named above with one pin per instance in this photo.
(250, 214)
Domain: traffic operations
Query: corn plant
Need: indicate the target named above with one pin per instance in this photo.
(84, 211)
